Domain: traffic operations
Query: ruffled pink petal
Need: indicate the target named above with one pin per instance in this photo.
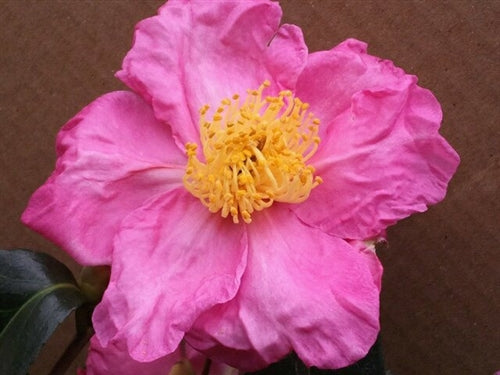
(381, 156)
(114, 359)
(112, 157)
(331, 78)
(172, 260)
(303, 290)
(199, 52)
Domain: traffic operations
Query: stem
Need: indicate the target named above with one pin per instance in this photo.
(206, 367)
(84, 331)
(71, 352)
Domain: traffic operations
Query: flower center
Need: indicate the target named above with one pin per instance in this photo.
(255, 153)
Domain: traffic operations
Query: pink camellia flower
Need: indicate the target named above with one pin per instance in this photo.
(237, 189)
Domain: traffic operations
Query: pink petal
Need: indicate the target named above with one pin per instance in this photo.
(112, 156)
(381, 156)
(331, 78)
(303, 290)
(114, 359)
(172, 260)
(200, 52)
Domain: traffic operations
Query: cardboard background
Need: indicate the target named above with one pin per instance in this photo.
(440, 299)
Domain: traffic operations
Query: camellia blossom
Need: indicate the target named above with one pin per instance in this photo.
(237, 189)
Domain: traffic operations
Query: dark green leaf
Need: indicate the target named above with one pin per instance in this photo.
(25, 272)
(37, 293)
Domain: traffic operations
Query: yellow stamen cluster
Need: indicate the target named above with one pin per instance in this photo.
(255, 153)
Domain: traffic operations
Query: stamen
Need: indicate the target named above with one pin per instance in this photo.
(255, 153)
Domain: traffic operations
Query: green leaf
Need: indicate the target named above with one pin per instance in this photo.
(37, 293)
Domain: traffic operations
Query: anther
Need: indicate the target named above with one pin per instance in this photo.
(254, 155)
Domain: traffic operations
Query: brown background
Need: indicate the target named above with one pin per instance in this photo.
(440, 300)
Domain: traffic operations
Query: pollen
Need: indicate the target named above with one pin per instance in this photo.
(254, 152)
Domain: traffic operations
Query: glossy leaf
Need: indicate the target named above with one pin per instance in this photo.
(37, 293)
